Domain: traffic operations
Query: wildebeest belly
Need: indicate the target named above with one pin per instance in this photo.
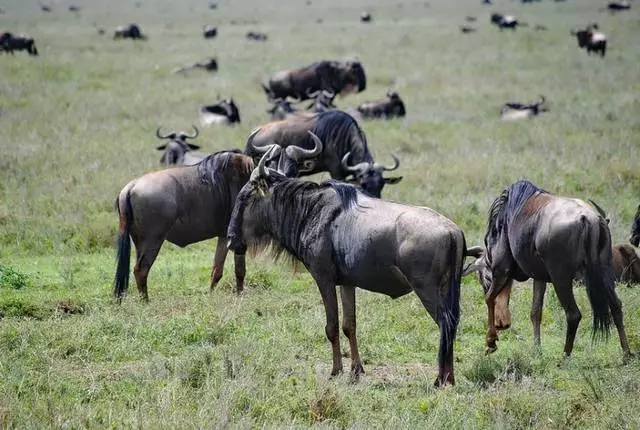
(185, 232)
(384, 279)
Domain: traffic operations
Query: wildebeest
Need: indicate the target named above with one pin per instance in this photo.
(213, 5)
(45, 8)
(626, 263)
(534, 234)
(467, 29)
(209, 31)
(391, 107)
(540, 27)
(345, 152)
(178, 151)
(591, 39)
(470, 18)
(345, 237)
(130, 31)
(210, 65)
(282, 108)
(365, 17)
(505, 21)
(634, 239)
(322, 101)
(257, 36)
(10, 43)
(224, 112)
(74, 8)
(617, 6)
(337, 77)
(513, 111)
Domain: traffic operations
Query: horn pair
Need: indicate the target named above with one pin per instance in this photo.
(360, 167)
(183, 135)
(273, 150)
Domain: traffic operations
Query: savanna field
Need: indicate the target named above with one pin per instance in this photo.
(78, 122)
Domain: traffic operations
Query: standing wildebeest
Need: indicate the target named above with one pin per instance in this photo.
(178, 151)
(347, 238)
(391, 107)
(343, 140)
(224, 112)
(209, 31)
(337, 77)
(257, 36)
(634, 239)
(210, 65)
(505, 21)
(10, 43)
(322, 101)
(591, 39)
(513, 111)
(534, 234)
(131, 31)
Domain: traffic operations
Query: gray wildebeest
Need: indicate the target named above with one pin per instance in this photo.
(209, 31)
(183, 205)
(224, 112)
(130, 31)
(365, 17)
(178, 151)
(513, 111)
(345, 152)
(505, 21)
(634, 239)
(256, 36)
(626, 263)
(618, 6)
(338, 77)
(391, 107)
(591, 39)
(534, 234)
(347, 238)
(10, 43)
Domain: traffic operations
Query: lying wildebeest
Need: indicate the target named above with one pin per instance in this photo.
(617, 6)
(10, 43)
(634, 239)
(505, 21)
(209, 31)
(344, 237)
(626, 263)
(470, 18)
(467, 29)
(257, 36)
(178, 151)
(365, 17)
(540, 27)
(131, 31)
(391, 107)
(213, 5)
(210, 65)
(513, 111)
(337, 77)
(281, 109)
(344, 143)
(322, 101)
(74, 8)
(591, 39)
(224, 112)
(534, 234)
(183, 205)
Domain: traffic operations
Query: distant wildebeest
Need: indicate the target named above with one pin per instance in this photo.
(617, 6)
(391, 107)
(634, 239)
(210, 65)
(540, 27)
(470, 18)
(209, 31)
(74, 8)
(591, 39)
(467, 29)
(345, 151)
(45, 8)
(257, 36)
(213, 5)
(322, 101)
(626, 263)
(505, 21)
(534, 234)
(365, 17)
(10, 43)
(178, 151)
(337, 77)
(281, 109)
(224, 112)
(130, 31)
(344, 237)
(513, 111)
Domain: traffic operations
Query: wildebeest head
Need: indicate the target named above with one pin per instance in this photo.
(635, 229)
(175, 150)
(353, 78)
(291, 161)
(369, 176)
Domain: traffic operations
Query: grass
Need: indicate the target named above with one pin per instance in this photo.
(78, 123)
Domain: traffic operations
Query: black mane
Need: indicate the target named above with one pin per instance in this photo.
(342, 129)
(508, 204)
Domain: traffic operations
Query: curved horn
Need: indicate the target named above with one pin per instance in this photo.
(298, 153)
(389, 169)
(195, 129)
(295, 100)
(312, 95)
(357, 168)
(328, 94)
(167, 136)
(261, 170)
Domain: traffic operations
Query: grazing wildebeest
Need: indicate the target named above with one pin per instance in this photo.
(178, 151)
(634, 239)
(281, 109)
(209, 31)
(345, 237)
(534, 234)
(210, 65)
(224, 112)
(513, 111)
(345, 152)
(505, 21)
(365, 17)
(131, 31)
(391, 107)
(626, 263)
(591, 39)
(467, 29)
(322, 101)
(257, 36)
(10, 43)
(337, 77)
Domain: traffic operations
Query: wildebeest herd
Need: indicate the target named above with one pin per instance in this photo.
(342, 230)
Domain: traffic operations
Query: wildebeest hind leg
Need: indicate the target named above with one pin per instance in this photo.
(616, 312)
(348, 296)
(563, 286)
(539, 288)
(146, 255)
(218, 263)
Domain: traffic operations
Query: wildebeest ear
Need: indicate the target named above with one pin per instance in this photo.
(393, 180)
(161, 147)
(192, 146)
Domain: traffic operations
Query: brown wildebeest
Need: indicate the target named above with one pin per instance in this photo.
(534, 234)
(345, 237)
(626, 263)
(391, 107)
(634, 239)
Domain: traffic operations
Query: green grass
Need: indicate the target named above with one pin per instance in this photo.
(78, 123)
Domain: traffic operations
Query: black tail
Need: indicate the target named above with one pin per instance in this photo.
(450, 312)
(599, 278)
(121, 282)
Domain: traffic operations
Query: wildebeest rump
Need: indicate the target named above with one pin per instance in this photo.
(626, 263)
(337, 77)
(534, 234)
(178, 151)
(391, 107)
(345, 151)
(10, 43)
(346, 238)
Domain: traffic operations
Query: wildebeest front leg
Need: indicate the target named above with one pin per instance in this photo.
(218, 263)
(330, 300)
(240, 268)
(348, 295)
(539, 288)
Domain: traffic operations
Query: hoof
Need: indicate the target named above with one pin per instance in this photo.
(356, 371)
(491, 347)
(627, 357)
(335, 372)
